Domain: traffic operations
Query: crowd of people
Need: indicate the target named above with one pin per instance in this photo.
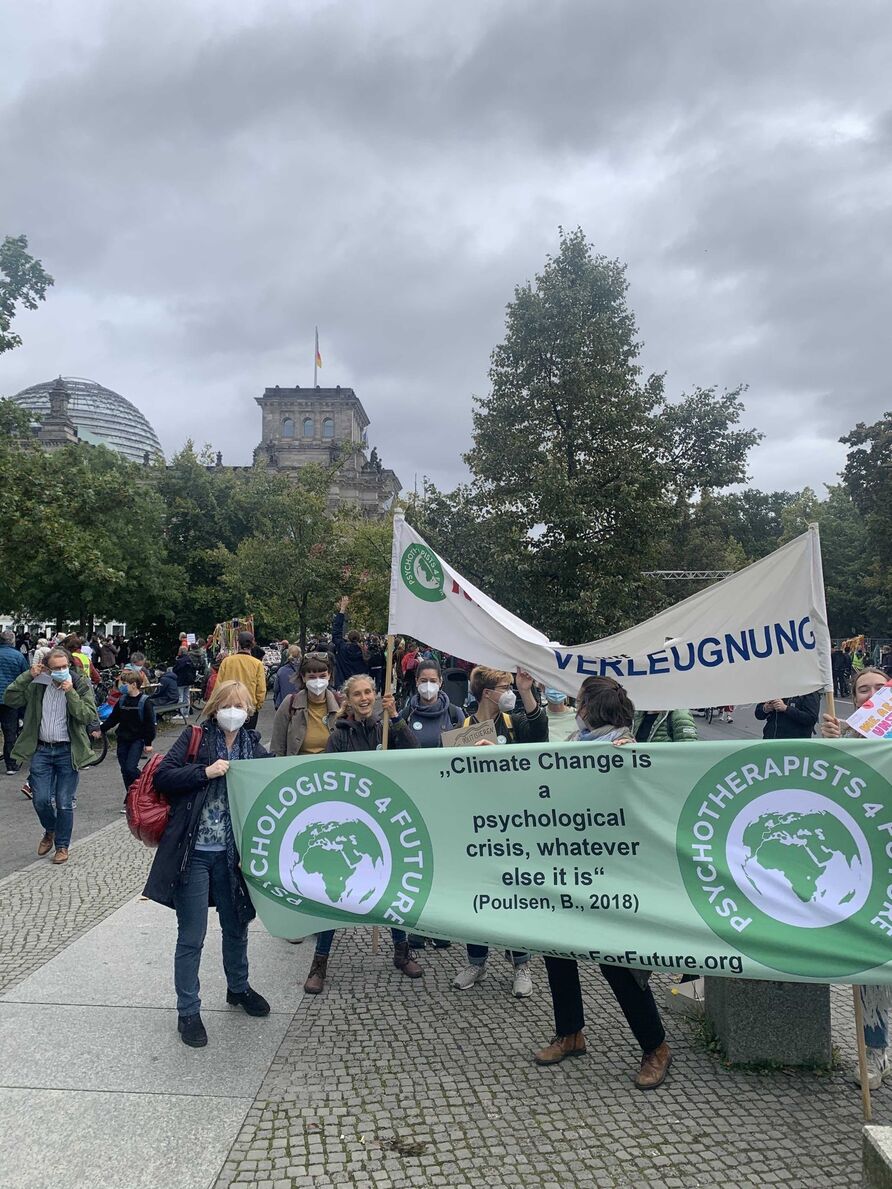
(330, 697)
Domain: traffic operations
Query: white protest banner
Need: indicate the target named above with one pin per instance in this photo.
(759, 634)
(874, 717)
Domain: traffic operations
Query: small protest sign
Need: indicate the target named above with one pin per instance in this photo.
(874, 718)
(471, 735)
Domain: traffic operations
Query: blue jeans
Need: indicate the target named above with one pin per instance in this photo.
(876, 1033)
(53, 789)
(184, 692)
(324, 940)
(129, 753)
(477, 955)
(208, 872)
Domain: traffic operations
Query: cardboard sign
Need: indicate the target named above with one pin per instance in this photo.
(470, 736)
(874, 718)
(190, 637)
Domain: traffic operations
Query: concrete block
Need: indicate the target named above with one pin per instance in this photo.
(759, 1022)
(876, 1154)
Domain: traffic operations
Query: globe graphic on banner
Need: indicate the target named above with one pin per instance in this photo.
(800, 858)
(337, 855)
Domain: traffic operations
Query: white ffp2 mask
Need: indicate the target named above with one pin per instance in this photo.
(231, 718)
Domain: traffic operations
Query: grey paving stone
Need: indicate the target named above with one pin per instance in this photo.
(159, 1140)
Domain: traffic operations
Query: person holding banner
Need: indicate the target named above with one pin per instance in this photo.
(789, 718)
(876, 1001)
(497, 702)
(358, 728)
(606, 716)
(197, 864)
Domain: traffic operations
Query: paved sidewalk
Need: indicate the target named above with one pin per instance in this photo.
(380, 1083)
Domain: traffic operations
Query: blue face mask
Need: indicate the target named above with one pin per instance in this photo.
(61, 675)
(555, 697)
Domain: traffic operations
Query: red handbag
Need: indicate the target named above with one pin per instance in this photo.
(148, 809)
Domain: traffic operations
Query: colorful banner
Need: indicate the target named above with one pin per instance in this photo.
(760, 634)
(763, 860)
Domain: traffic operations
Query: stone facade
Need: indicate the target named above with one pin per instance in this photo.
(323, 426)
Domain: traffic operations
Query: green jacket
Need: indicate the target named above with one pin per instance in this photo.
(670, 726)
(81, 715)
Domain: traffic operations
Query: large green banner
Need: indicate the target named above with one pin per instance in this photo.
(764, 860)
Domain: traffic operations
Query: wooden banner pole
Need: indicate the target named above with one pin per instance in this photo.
(856, 996)
(862, 1055)
(385, 735)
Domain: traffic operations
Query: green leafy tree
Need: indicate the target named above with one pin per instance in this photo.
(868, 479)
(84, 531)
(581, 466)
(23, 282)
(288, 572)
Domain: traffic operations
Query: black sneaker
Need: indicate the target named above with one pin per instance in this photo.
(254, 1004)
(192, 1031)
(416, 941)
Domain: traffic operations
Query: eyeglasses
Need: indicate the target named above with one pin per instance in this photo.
(317, 656)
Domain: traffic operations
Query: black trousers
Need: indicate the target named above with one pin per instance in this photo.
(637, 1003)
(9, 725)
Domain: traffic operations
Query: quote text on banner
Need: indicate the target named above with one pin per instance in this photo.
(759, 634)
(765, 860)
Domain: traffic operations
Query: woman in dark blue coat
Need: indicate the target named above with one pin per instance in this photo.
(197, 863)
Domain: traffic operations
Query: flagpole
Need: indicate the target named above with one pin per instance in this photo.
(315, 355)
(860, 1043)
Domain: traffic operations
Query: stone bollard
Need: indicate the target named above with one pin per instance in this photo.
(758, 1022)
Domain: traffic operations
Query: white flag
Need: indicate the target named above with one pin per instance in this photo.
(759, 634)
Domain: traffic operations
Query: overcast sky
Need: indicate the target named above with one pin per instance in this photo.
(207, 179)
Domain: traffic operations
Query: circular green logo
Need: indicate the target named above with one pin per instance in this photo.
(423, 574)
(338, 839)
(783, 852)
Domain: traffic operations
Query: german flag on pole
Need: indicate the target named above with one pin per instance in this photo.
(318, 356)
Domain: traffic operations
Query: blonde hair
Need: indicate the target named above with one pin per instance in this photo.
(346, 689)
(227, 693)
(485, 678)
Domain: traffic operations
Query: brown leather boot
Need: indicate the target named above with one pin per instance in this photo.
(61, 855)
(404, 960)
(561, 1047)
(316, 977)
(654, 1067)
(46, 844)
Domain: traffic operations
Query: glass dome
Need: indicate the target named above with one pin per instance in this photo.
(102, 417)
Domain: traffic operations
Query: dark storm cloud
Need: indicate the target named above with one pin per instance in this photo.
(207, 181)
